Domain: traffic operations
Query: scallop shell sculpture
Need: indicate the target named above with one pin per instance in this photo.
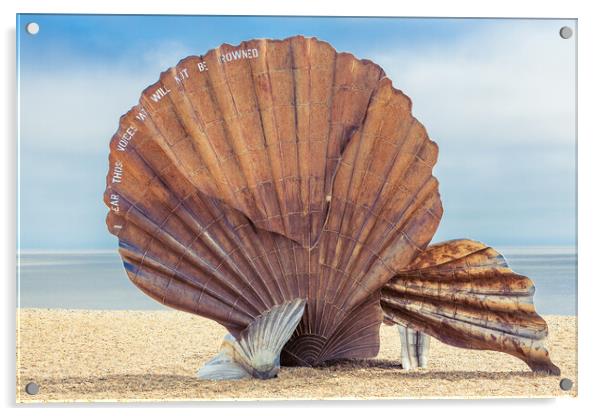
(270, 174)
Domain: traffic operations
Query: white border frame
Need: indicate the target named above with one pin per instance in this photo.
(589, 149)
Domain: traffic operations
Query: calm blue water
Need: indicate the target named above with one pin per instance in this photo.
(97, 280)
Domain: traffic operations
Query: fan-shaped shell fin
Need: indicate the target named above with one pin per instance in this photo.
(257, 351)
(222, 367)
(356, 335)
(463, 293)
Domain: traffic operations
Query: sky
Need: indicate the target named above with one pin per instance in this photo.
(497, 95)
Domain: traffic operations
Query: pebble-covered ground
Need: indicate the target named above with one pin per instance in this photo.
(78, 355)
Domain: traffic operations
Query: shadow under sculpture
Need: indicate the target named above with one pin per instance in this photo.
(285, 190)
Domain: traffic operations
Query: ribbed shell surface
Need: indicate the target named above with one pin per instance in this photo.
(269, 171)
(463, 293)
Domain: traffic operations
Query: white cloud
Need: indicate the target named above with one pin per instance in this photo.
(77, 109)
(166, 54)
(513, 82)
(510, 82)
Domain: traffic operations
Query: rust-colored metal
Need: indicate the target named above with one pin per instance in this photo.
(273, 171)
(463, 293)
(269, 171)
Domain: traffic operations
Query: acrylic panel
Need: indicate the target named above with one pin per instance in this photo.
(249, 207)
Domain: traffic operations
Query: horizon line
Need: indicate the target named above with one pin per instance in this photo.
(116, 249)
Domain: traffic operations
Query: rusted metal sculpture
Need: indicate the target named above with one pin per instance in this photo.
(279, 173)
(463, 293)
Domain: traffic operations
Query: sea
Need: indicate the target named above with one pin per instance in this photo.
(97, 279)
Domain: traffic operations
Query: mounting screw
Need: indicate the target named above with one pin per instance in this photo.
(566, 32)
(32, 388)
(32, 28)
(566, 384)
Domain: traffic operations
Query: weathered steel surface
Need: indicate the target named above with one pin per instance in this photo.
(463, 293)
(270, 171)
